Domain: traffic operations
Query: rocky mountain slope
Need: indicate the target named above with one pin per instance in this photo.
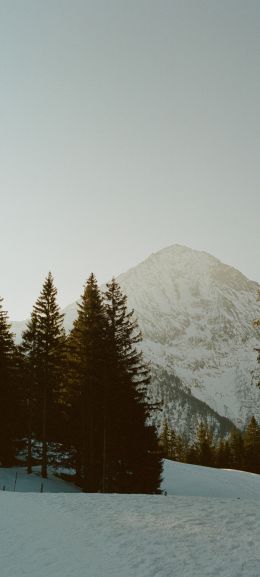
(196, 316)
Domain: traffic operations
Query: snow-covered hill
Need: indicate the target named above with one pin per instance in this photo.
(193, 480)
(137, 535)
(196, 316)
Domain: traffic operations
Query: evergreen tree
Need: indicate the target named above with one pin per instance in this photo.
(223, 454)
(204, 445)
(8, 404)
(165, 439)
(44, 345)
(10, 413)
(236, 444)
(87, 356)
(192, 454)
(132, 462)
(181, 449)
(173, 445)
(168, 442)
(252, 446)
(29, 376)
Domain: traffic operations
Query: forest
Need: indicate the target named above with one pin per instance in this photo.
(238, 450)
(80, 400)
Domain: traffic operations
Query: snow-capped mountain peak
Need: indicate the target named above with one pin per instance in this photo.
(196, 315)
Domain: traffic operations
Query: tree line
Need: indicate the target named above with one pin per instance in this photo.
(83, 399)
(239, 450)
(85, 393)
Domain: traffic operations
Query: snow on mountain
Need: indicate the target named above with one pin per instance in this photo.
(207, 525)
(196, 317)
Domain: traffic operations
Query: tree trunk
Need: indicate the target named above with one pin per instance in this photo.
(44, 439)
(29, 448)
(104, 464)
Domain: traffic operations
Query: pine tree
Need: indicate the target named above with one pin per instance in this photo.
(192, 456)
(252, 446)
(7, 390)
(173, 445)
(29, 350)
(223, 454)
(132, 461)
(236, 444)
(164, 439)
(44, 345)
(168, 442)
(204, 445)
(181, 449)
(87, 355)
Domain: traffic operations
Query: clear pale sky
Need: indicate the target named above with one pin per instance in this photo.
(125, 126)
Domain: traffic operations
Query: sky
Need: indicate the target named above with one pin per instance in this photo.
(125, 126)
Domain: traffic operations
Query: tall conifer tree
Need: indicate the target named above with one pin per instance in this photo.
(252, 446)
(236, 444)
(132, 462)
(7, 390)
(44, 345)
(87, 353)
(204, 445)
(32, 408)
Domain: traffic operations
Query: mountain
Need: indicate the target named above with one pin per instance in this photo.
(196, 317)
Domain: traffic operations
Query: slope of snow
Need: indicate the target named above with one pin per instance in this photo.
(65, 535)
(193, 480)
(16, 479)
(177, 479)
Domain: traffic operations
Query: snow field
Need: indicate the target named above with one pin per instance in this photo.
(82, 535)
(193, 480)
(60, 534)
(16, 478)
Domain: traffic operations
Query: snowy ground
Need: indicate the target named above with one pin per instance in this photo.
(15, 478)
(192, 480)
(80, 535)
